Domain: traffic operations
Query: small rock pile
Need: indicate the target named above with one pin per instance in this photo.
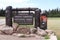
(24, 32)
(6, 30)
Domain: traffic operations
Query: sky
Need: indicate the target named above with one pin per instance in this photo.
(42, 4)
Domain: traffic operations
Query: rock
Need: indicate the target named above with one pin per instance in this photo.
(41, 32)
(23, 35)
(18, 34)
(49, 32)
(15, 26)
(32, 35)
(53, 37)
(33, 30)
(23, 30)
(7, 30)
(14, 34)
(1, 33)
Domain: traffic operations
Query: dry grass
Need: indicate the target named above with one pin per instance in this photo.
(2, 17)
(54, 24)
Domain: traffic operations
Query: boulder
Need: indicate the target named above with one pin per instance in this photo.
(41, 32)
(1, 33)
(23, 30)
(15, 26)
(33, 30)
(53, 37)
(49, 32)
(7, 30)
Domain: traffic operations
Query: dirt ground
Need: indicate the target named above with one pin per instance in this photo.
(9, 37)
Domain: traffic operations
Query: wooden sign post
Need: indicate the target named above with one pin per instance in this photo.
(9, 16)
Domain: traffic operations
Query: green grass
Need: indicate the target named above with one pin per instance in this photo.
(46, 37)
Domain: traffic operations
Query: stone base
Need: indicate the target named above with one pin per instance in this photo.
(26, 32)
(7, 30)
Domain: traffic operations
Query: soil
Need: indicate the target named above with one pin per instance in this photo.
(10, 37)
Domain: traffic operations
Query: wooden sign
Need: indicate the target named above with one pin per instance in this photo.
(24, 19)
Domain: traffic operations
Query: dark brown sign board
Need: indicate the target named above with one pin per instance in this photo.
(24, 18)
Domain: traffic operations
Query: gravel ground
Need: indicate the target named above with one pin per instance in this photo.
(9, 37)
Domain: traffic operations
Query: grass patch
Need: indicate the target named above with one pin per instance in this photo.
(53, 18)
(46, 37)
(54, 24)
(58, 37)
